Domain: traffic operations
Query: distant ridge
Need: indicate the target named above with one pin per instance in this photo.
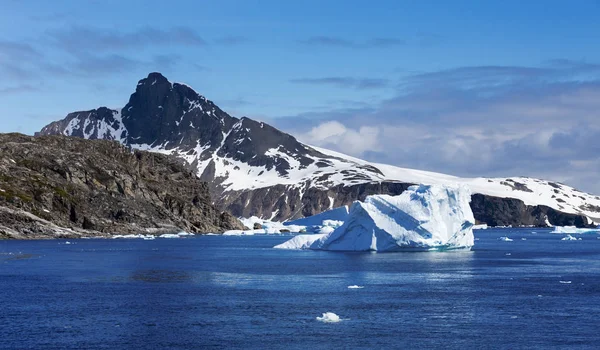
(254, 169)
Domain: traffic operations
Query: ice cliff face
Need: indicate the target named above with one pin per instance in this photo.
(255, 169)
(421, 218)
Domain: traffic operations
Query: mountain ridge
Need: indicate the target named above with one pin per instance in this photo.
(254, 169)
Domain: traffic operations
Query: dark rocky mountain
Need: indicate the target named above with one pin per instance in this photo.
(255, 169)
(57, 186)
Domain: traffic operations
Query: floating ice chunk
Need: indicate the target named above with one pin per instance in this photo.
(266, 227)
(67, 242)
(568, 238)
(565, 282)
(169, 235)
(132, 236)
(421, 218)
(505, 239)
(183, 233)
(148, 238)
(329, 317)
(355, 287)
(239, 232)
(573, 229)
(523, 238)
(508, 254)
(480, 227)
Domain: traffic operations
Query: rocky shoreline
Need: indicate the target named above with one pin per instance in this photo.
(66, 187)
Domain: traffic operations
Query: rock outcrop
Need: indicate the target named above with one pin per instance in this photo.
(57, 186)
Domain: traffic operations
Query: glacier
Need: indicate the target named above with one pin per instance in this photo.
(424, 217)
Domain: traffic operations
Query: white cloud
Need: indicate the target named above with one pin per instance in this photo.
(335, 135)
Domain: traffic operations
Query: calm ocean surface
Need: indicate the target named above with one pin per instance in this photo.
(238, 292)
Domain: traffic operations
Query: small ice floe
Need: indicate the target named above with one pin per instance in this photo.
(176, 235)
(148, 238)
(565, 282)
(505, 239)
(133, 236)
(67, 242)
(569, 238)
(508, 254)
(169, 235)
(523, 238)
(355, 287)
(329, 317)
(183, 233)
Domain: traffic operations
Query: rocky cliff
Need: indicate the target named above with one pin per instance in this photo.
(57, 186)
(255, 169)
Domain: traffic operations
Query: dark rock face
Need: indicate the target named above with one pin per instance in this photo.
(56, 186)
(496, 211)
(300, 180)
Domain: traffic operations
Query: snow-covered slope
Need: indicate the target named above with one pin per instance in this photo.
(531, 191)
(249, 162)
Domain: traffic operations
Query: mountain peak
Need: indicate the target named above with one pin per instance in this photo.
(155, 77)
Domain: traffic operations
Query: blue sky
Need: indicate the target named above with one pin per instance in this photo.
(472, 88)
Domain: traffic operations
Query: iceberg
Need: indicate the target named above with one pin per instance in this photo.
(573, 229)
(424, 217)
(505, 239)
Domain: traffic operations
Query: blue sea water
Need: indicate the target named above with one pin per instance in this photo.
(238, 292)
